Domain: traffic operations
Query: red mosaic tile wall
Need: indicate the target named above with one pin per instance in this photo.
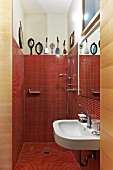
(42, 72)
(18, 101)
(88, 102)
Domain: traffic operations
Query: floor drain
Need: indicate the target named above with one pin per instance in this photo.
(46, 152)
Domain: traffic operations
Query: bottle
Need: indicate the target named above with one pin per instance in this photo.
(86, 50)
(88, 121)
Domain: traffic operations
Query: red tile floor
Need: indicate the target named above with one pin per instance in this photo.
(32, 157)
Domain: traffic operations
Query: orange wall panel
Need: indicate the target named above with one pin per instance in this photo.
(106, 31)
(6, 85)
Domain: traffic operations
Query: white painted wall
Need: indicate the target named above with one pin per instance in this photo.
(57, 26)
(75, 20)
(18, 16)
(36, 28)
(40, 26)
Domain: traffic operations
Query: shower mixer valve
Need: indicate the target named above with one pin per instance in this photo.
(71, 90)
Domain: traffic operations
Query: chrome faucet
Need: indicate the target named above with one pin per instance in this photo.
(88, 121)
(63, 74)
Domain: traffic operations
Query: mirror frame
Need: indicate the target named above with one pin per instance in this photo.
(39, 45)
(91, 23)
(93, 45)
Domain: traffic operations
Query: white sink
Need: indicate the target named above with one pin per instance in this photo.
(72, 134)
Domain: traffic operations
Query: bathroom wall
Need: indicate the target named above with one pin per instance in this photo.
(75, 20)
(40, 26)
(36, 28)
(57, 26)
(83, 104)
(18, 101)
(42, 73)
(18, 15)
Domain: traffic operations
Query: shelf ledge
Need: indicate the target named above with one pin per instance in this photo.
(35, 92)
(95, 92)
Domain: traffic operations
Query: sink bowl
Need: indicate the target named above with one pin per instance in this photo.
(72, 134)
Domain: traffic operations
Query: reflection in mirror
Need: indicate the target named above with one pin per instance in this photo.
(93, 48)
(90, 76)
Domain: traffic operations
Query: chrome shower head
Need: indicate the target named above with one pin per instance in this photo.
(60, 75)
(63, 74)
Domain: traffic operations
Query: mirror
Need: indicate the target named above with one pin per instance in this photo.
(31, 44)
(91, 14)
(93, 48)
(38, 48)
(90, 76)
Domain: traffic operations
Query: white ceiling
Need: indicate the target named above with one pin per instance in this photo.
(46, 6)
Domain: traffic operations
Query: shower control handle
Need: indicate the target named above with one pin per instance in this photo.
(71, 84)
(71, 90)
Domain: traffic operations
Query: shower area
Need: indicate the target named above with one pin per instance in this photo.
(42, 93)
(40, 97)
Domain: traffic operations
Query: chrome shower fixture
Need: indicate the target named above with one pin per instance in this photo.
(63, 74)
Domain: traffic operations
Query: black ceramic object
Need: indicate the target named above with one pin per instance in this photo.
(20, 35)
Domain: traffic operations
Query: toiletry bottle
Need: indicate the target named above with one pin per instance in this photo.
(88, 120)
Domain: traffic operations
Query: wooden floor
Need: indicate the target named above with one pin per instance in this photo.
(46, 156)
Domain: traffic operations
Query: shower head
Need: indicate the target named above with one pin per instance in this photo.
(63, 74)
(60, 75)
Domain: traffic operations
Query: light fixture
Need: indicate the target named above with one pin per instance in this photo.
(86, 16)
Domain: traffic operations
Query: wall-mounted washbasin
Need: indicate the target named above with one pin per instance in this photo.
(72, 134)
